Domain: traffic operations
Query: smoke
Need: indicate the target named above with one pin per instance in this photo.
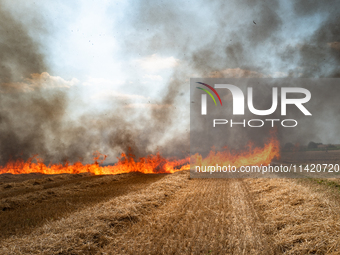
(25, 118)
(247, 39)
(215, 39)
(34, 107)
(20, 55)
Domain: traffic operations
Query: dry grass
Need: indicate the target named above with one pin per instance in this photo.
(300, 220)
(21, 178)
(209, 216)
(51, 198)
(175, 215)
(19, 185)
(84, 231)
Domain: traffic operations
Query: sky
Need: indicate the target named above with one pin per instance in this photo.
(135, 58)
(97, 43)
(84, 41)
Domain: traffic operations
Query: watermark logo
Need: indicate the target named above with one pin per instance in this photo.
(239, 100)
(263, 127)
(204, 97)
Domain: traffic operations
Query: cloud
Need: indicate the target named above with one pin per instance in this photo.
(37, 81)
(101, 81)
(153, 77)
(236, 73)
(155, 63)
(243, 73)
(279, 75)
(149, 105)
(110, 94)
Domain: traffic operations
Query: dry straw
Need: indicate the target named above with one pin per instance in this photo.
(87, 230)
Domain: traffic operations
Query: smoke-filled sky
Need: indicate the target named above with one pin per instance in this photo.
(80, 76)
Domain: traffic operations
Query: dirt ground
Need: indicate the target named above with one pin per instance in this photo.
(169, 214)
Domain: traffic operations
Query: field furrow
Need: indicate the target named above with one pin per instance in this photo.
(209, 216)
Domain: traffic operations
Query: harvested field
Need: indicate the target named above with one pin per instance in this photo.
(29, 204)
(308, 157)
(173, 214)
(209, 216)
(299, 218)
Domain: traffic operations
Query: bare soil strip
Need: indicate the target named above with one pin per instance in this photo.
(52, 198)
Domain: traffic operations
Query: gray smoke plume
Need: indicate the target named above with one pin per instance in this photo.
(227, 39)
(245, 39)
(34, 119)
(25, 118)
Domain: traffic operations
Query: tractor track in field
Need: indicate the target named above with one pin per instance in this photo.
(209, 216)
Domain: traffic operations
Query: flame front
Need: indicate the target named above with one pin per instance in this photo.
(250, 157)
(150, 164)
(125, 164)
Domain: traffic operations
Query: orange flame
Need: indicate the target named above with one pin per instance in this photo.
(150, 164)
(125, 164)
(250, 157)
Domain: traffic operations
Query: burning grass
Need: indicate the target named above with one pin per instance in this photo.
(254, 156)
(126, 164)
(152, 163)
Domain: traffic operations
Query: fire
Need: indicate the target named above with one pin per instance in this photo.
(150, 164)
(250, 157)
(125, 164)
